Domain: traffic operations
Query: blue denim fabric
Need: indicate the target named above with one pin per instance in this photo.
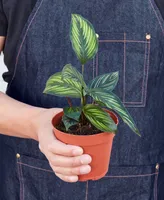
(44, 48)
(37, 181)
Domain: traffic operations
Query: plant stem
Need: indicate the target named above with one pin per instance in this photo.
(83, 103)
(82, 118)
(69, 101)
(83, 100)
(83, 70)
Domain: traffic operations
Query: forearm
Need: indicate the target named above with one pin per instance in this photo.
(16, 118)
(2, 42)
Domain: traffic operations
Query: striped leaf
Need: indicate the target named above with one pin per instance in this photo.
(100, 103)
(114, 103)
(72, 112)
(83, 37)
(99, 118)
(68, 122)
(71, 75)
(56, 86)
(107, 82)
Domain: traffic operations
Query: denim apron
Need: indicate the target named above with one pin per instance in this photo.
(131, 41)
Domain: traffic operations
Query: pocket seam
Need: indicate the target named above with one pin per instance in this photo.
(142, 103)
(20, 174)
(132, 176)
(146, 66)
(159, 17)
(38, 168)
(23, 38)
(155, 184)
(87, 191)
(107, 176)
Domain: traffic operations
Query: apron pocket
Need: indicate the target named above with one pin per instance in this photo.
(125, 183)
(38, 182)
(128, 53)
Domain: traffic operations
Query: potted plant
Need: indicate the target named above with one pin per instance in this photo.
(89, 125)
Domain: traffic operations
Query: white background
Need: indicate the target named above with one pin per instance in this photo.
(2, 69)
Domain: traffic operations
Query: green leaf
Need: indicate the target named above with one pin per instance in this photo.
(100, 103)
(83, 37)
(68, 122)
(99, 118)
(72, 76)
(72, 112)
(107, 82)
(56, 86)
(114, 103)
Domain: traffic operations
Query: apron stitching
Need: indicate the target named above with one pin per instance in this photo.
(86, 194)
(143, 91)
(122, 41)
(157, 16)
(106, 41)
(132, 176)
(139, 106)
(35, 167)
(27, 32)
(124, 69)
(147, 75)
(155, 185)
(19, 174)
(20, 48)
(22, 182)
(146, 68)
(146, 47)
(134, 102)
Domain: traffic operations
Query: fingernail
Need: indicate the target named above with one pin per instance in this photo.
(85, 159)
(85, 170)
(73, 179)
(77, 152)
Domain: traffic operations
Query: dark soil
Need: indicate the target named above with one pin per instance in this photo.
(87, 129)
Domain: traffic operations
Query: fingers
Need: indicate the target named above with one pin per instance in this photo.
(70, 179)
(67, 161)
(60, 148)
(85, 169)
(61, 161)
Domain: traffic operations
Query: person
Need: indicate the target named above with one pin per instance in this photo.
(35, 41)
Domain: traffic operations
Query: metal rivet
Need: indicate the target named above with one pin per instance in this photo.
(157, 166)
(18, 155)
(148, 36)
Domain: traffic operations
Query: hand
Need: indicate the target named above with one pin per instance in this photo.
(67, 161)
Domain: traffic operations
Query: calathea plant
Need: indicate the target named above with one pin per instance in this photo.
(70, 83)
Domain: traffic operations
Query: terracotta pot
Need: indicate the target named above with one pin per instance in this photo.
(98, 146)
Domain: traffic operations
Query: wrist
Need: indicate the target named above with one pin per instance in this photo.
(40, 119)
(33, 122)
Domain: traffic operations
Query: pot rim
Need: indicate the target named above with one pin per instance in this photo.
(85, 140)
